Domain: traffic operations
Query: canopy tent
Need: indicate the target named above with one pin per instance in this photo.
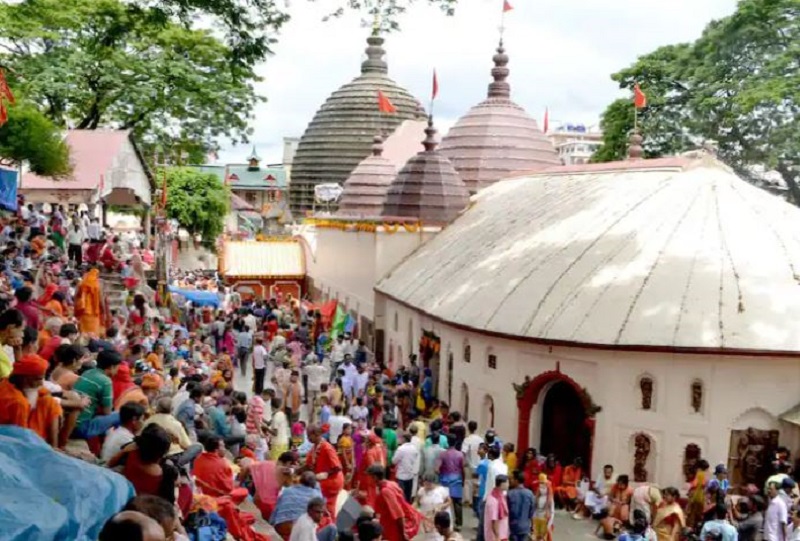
(198, 298)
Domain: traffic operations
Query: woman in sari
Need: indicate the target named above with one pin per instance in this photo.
(669, 520)
(366, 483)
(552, 468)
(90, 305)
(530, 469)
(697, 496)
(346, 454)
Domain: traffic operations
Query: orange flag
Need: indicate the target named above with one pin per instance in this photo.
(435, 91)
(507, 6)
(384, 105)
(5, 91)
(639, 97)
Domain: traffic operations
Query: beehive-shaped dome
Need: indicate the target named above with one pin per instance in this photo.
(341, 133)
(497, 137)
(427, 188)
(365, 189)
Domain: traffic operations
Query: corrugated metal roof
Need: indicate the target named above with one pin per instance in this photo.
(264, 259)
(241, 177)
(686, 255)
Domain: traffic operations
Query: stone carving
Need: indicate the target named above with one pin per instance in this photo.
(697, 396)
(522, 387)
(691, 454)
(646, 386)
(641, 452)
(754, 454)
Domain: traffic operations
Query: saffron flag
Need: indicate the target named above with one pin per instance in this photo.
(435, 91)
(3, 113)
(546, 123)
(384, 105)
(5, 91)
(507, 6)
(639, 97)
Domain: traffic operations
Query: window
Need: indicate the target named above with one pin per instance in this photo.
(697, 396)
(467, 352)
(646, 387)
(492, 361)
(396, 325)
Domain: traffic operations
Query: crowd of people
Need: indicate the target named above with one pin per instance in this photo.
(324, 440)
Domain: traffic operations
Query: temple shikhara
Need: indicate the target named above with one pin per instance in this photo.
(602, 311)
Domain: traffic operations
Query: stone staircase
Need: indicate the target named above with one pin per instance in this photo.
(114, 287)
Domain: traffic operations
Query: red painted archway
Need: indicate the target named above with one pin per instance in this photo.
(529, 394)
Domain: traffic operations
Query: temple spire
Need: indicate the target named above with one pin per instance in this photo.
(635, 150)
(375, 52)
(430, 143)
(499, 88)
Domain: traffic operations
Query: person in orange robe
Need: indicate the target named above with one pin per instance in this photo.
(325, 464)
(51, 305)
(375, 455)
(567, 492)
(89, 304)
(213, 473)
(24, 402)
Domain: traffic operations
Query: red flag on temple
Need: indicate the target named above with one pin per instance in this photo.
(546, 123)
(5, 91)
(639, 97)
(384, 105)
(507, 6)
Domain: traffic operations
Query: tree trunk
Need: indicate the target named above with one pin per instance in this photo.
(789, 176)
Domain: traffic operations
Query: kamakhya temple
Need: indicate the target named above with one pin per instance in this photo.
(614, 312)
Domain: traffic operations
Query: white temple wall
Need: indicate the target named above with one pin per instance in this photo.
(739, 392)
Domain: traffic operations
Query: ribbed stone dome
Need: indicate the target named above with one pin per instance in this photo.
(427, 188)
(342, 131)
(497, 137)
(365, 189)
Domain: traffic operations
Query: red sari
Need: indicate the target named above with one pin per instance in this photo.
(376, 454)
(531, 474)
(323, 459)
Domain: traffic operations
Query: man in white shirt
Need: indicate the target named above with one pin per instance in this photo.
(470, 446)
(259, 365)
(250, 322)
(279, 429)
(317, 375)
(407, 459)
(337, 352)
(93, 230)
(131, 418)
(337, 422)
(496, 467)
(350, 377)
(360, 381)
(777, 516)
(350, 345)
(305, 528)
(75, 240)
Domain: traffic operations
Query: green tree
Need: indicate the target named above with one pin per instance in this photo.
(107, 63)
(384, 15)
(30, 137)
(738, 84)
(197, 200)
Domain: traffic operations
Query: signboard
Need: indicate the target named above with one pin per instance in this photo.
(8, 189)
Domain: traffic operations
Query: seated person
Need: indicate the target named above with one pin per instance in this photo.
(144, 463)
(25, 402)
(97, 418)
(214, 474)
(162, 512)
(132, 525)
(292, 502)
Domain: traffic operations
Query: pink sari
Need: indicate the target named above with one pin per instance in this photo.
(265, 479)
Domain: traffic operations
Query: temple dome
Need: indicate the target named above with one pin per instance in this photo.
(365, 189)
(341, 133)
(427, 188)
(497, 138)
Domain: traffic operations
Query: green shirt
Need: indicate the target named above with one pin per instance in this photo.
(97, 386)
(390, 438)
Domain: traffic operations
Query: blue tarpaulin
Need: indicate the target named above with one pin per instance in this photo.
(8, 189)
(47, 495)
(198, 298)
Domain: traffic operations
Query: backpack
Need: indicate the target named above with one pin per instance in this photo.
(203, 525)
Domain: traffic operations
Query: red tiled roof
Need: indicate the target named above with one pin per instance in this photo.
(92, 153)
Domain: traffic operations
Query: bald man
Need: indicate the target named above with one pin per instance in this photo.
(132, 526)
(324, 462)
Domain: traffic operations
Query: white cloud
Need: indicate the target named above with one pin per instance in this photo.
(562, 53)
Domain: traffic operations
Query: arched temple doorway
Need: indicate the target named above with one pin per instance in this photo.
(565, 412)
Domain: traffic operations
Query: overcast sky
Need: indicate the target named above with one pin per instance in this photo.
(562, 53)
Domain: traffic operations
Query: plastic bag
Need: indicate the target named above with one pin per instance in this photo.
(49, 495)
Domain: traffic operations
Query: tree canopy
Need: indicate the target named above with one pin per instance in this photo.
(30, 137)
(197, 200)
(738, 85)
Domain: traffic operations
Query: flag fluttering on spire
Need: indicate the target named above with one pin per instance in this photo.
(639, 97)
(507, 6)
(546, 122)
(384, 104)
(435, 89)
